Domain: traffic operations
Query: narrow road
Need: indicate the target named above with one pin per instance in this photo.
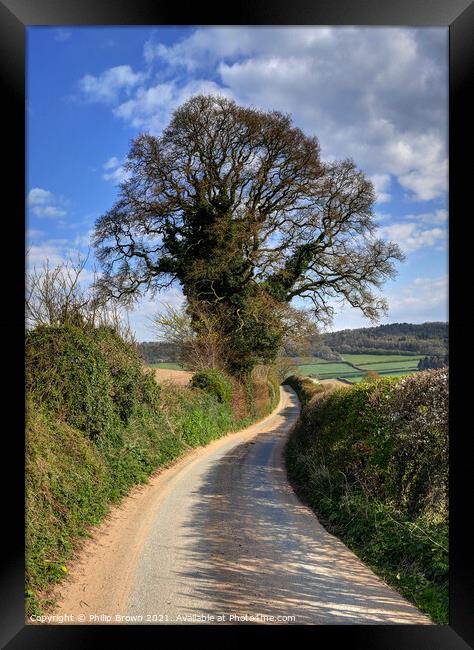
(220, 538)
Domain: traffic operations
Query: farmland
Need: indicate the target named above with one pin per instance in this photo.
(353, 367)
(325, 370)
(166, 365)
(364, 359)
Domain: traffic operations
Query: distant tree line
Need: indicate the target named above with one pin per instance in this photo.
(430, 339)
(157, 351)
(315, 347)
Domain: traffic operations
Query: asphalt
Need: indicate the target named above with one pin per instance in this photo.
(229, 542)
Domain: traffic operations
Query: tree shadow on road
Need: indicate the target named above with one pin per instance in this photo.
(253, 548)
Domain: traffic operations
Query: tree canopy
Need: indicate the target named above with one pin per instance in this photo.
(236, 205)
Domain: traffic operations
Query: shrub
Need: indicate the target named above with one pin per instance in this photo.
(419, 421)
(304, 387)
(65, 490)
(131, 384)
(274, 385)
(262, 397)
(370, 376)
(148, 390)
(240, 404)
(124, 366)
(373, 461)
(214, 382)
(66, 371)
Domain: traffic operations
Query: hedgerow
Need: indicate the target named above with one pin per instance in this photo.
(214, 382)
(98, 424)
(66, 372)
(373, 462)
(304, 387)
(129, 381)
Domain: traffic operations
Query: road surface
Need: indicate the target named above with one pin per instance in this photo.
(221, 538)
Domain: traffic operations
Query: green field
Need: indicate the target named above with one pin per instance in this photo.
(366, 359)
(326, 370)
(396, 365)
(166, 365)
(386, 365)
(357, 378)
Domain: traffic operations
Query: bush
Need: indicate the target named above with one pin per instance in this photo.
(214, 382)
(418, 411)
(65, 490)
(66, 371)
(304, 387)
(261, 397)
(124, 367)
(274, 385)
(373, 461)
(130, 384)
(241, 407)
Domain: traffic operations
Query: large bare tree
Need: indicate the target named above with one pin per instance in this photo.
(236, 205)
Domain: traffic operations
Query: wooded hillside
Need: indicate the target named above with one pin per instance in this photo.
(430, 339)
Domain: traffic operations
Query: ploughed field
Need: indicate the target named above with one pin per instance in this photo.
(354, 367)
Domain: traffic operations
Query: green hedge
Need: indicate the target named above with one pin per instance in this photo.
(373, 462)
(214, 382)
(130, 384)
(66, 372)
(98, 424)
(305, 388)
(274, 385)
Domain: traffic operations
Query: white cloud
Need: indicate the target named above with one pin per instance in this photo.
(150, 108)
(411, 237)
(48, 211)
(112, 163)
(423, 298)
(378, 95)
(381, 185)
(33, 234)
(115, 171)
(55, 251)
(210, 45)
(140, 317)
(439, 216)
(38, 196)
(44, 203)
(84, 241)
(107, 86)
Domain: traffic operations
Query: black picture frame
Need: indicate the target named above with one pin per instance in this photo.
(458, 16)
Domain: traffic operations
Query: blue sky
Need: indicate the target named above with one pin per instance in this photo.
(378, 95)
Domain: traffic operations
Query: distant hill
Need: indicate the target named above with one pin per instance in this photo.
(430, 339)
